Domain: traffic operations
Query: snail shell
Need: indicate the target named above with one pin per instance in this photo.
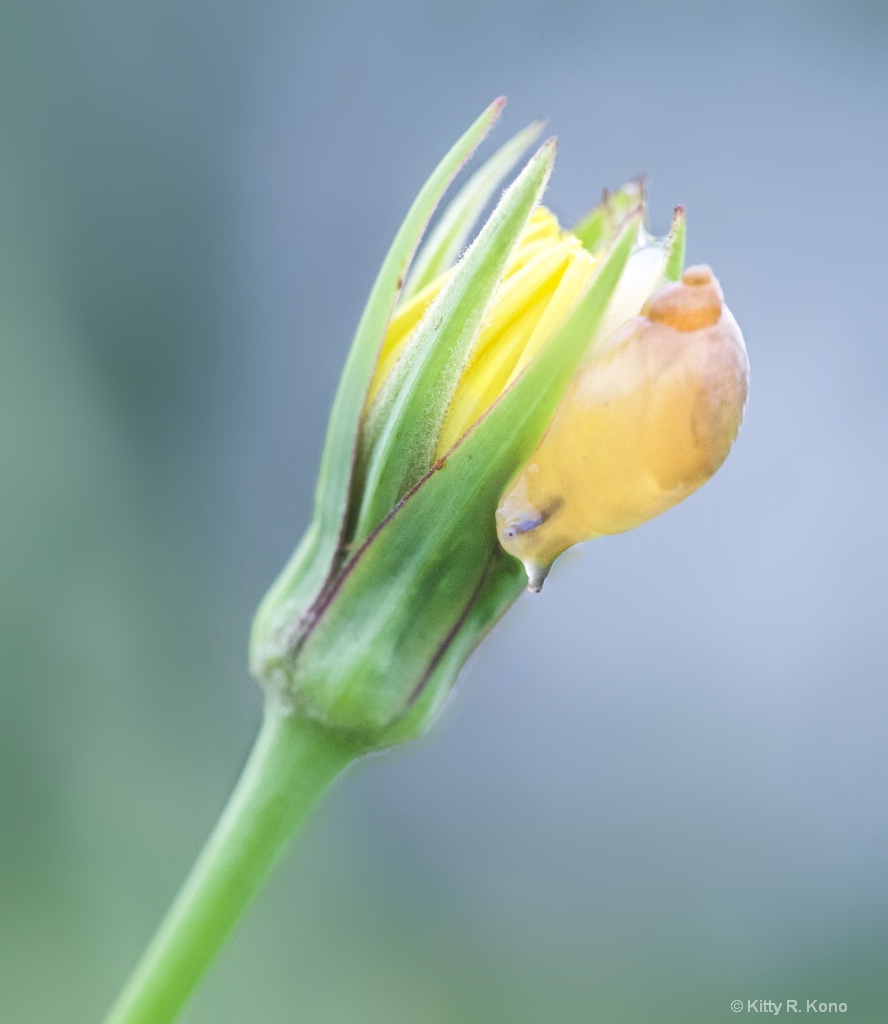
(649, 418)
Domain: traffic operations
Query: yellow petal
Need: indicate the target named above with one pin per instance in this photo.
(402, 325)
(521, 304)
(543, 280)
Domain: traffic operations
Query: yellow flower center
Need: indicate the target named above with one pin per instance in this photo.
(546, 276)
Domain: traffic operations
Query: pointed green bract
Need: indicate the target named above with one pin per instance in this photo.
(334, 476)
(448, 238)
(675, 246)
(364, 655)
(310, 566)
(597, 229)
(401, 431)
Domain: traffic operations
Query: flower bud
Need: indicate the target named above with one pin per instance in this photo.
(458, 367)
(649, 418)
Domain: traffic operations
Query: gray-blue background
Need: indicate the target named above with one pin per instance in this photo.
(662, 785)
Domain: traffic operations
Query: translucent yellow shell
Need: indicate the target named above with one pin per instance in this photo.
(648, 419)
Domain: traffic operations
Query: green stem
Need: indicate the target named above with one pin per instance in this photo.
(291, 764)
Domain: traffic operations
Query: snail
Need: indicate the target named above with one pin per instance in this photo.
(649, 417)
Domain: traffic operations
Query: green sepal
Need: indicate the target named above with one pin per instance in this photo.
(382, 633)
(401, 430)
(311, 565)
(675, 246)
(449, 236)
(503, 582)
(597, 229)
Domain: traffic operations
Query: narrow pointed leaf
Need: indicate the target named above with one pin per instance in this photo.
(675, 246)
(306, 572)
(415, 397)
(447, 240)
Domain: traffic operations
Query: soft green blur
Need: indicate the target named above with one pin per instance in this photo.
(662, 785)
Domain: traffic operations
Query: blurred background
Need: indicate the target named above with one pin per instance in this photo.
(662, 784)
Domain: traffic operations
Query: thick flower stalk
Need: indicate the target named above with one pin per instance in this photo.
(499, 404)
